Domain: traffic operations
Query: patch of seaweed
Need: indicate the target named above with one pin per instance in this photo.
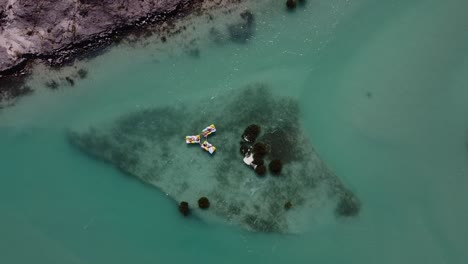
(348, 205)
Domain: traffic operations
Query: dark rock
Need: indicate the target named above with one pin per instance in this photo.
(260, 170)
(203, 203)
(244, 30)
(70, 81)
(258, 162)
(82, 73)
(3, 17)
(163, 39)
(260, 149)
(348, 205)
(184, 208)
(244, 149)
(52, 85)
(248, 17)
(287, 205)
(258, 205)
(251, 133)
(291, 4)
(275, 166)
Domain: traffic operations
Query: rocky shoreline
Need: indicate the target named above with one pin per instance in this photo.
(58, 33)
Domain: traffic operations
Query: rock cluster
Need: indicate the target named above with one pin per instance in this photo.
(184, 208)
(255, 153)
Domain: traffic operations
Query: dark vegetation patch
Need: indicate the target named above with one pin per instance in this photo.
(251, 133)
(184, 208)
(70, 81)
(348, 205)
(260, 170)
(82, 73)
(13, 87)
(242, 31)
(52, 84)
(275, 166)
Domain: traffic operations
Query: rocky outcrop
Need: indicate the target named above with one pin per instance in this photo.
(57, 31)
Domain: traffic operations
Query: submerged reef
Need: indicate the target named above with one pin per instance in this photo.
(242, 31)
(239, 32)
(291, 4)
(70, 80)
(133, 144)
(82, 73)
(184, 208)
(260, 170)
(204, 203)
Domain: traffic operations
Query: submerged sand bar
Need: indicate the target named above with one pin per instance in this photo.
(150, 145)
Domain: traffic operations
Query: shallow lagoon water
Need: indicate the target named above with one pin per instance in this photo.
(382, 92)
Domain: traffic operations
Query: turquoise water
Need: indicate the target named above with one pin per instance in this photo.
(382, 92)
